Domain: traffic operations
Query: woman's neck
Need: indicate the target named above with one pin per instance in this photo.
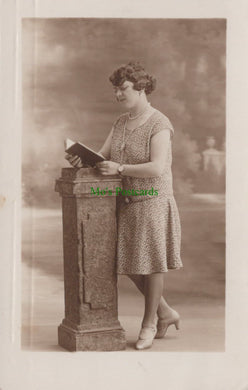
(139, 108)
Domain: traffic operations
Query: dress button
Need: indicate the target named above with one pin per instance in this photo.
(127, 200)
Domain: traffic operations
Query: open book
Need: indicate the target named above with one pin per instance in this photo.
(87, 155)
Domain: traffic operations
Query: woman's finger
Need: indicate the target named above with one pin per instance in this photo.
(76, 162)
(101, 164)
(68, 157)
(75, 159)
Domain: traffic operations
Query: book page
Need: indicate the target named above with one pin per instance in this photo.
(68, 143)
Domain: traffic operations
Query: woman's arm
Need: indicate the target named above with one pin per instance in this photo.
(105, 149)
(158, 154)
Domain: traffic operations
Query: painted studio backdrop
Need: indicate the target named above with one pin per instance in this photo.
(66, 64)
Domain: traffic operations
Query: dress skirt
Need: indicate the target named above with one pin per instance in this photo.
(149, 236)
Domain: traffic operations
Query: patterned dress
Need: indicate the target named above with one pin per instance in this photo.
(148, 225)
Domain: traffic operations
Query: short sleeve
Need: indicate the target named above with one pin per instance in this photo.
(162, 123)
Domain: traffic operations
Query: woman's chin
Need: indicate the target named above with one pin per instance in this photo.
(125, 105)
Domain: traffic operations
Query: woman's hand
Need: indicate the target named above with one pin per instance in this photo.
(108, 167)
(75, 161)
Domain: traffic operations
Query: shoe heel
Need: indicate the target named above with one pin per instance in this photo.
(176, 323)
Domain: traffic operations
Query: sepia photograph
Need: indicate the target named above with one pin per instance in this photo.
(123, 195)
(123, 248)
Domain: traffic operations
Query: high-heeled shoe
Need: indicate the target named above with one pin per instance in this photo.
(164, 323)
(146, 337)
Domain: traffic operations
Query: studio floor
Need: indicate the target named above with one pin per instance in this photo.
(196, 291)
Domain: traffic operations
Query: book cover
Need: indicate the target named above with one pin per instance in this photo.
(87, 155)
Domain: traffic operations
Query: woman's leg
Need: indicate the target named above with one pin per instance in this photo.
(153, 286)
(164, 310)
(138, 281)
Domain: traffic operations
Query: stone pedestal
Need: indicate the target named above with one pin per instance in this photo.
(89, 242)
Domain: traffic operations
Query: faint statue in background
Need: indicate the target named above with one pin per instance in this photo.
(212, 178)
(214, 157)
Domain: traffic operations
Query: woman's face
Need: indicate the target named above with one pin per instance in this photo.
(127, 95)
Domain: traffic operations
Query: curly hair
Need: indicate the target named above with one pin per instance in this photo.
(135, 73)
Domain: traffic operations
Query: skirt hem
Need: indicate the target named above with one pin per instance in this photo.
(149, 273)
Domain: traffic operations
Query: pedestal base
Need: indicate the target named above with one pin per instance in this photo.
(100, 340)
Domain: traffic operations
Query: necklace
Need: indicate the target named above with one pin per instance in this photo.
(138, 115)
(124, 142)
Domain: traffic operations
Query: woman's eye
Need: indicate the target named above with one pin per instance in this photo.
(121, 89)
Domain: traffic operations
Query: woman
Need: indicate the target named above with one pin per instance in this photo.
(139, 149)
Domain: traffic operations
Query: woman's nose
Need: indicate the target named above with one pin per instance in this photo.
(118, 93)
